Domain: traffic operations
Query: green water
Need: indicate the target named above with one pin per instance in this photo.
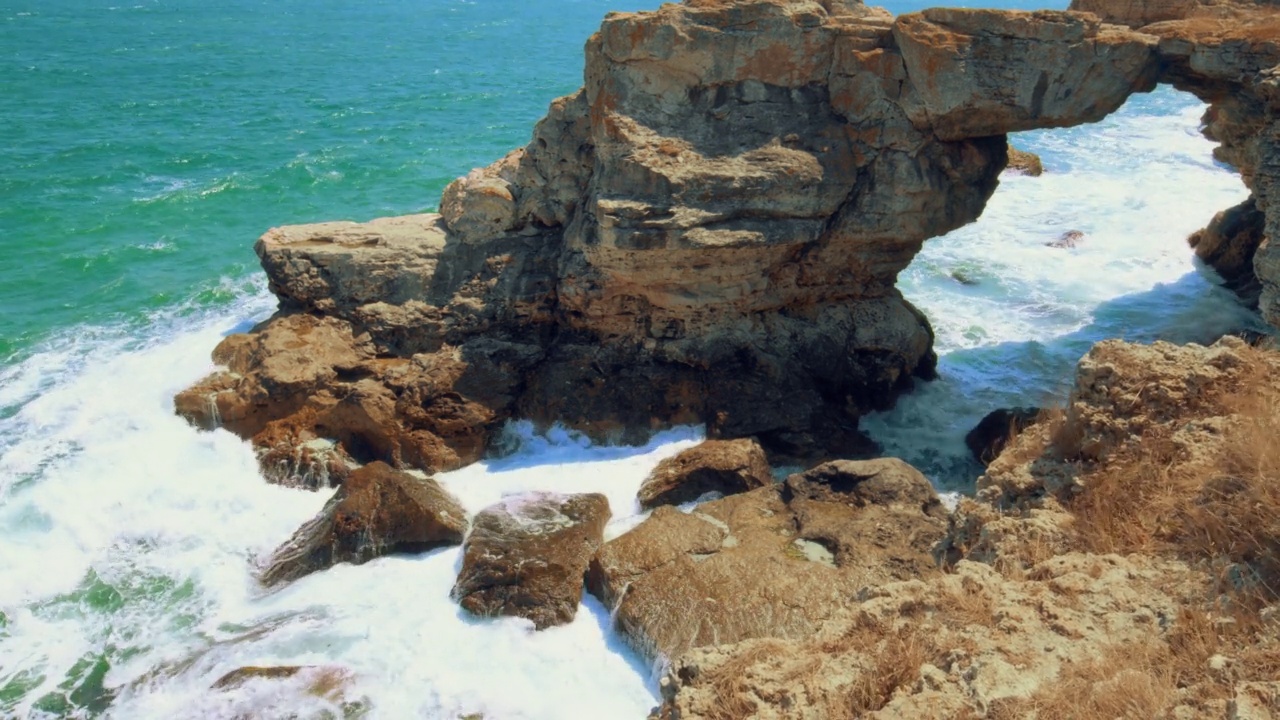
(145, 146)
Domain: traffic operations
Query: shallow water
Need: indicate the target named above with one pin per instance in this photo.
(155, 140)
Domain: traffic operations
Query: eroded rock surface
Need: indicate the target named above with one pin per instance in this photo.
(526, 556)
(773, 562)
(723, 466)
(1115, 561)
(708, 232)
(377, 511)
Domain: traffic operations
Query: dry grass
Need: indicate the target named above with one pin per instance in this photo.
(1138, 682)
(895, 662)
(1221, 506)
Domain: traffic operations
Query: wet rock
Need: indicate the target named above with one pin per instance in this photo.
(1067, 240)
(377, 511)
(773, 562)
(993, 431)
(525, 556)
(723, 466)
(282, 692)
(1022, 162)
(1228, 245)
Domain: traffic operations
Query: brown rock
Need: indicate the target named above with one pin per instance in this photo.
(377, 511)
(995, 429)
(723, 466)
(275, 692)
(1228, 245)
(985, 72)
(710, 230)
(525, 556)
(772, 562)
(1067, 240)
(1024, 163)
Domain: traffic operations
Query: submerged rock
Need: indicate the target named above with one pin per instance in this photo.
(282, 691)
(995, 429)
(377, 511)
(773, 562)
(525, 556)
(723, 466)
(1068, 240)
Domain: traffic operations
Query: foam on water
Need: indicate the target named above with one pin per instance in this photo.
(1135, 184)
(130, 539)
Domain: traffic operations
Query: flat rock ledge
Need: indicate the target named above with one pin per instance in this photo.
(526, 556)
(722, 466)
(773, 562)
(378, 511)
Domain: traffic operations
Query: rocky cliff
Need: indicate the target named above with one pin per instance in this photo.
(709, 231)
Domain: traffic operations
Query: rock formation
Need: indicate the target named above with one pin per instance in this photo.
(709, 231)
(1226, 53)
(773, 562)
(526, 556)
(723, 466)
(1120, 559)
(1024, 163)
(377, 511)
(995, 429)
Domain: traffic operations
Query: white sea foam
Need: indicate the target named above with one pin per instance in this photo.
(1135, 184)
(131, 537)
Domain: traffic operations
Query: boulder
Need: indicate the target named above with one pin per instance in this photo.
(1228, 245)
(773, 562)
(377, 511)
(1022, 162)
(525, 556)
(1068, 240)
(723, 466)
(994, 430)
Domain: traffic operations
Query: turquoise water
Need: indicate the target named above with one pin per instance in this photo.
(146, 145)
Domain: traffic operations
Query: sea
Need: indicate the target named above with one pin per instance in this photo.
(145, 144)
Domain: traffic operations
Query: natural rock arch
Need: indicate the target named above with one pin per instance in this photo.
(709, 231)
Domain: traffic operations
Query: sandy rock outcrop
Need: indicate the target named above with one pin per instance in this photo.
(773, 562)
(723, 466)
(708, 232)
(526, 556)
(377, 511)
(1119, 560)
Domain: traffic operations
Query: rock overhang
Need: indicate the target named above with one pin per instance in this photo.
(710, 231)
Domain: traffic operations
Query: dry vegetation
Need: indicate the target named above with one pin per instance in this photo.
(1190, 504)
(1220, 506)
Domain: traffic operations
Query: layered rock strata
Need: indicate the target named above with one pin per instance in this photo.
(708, 232)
